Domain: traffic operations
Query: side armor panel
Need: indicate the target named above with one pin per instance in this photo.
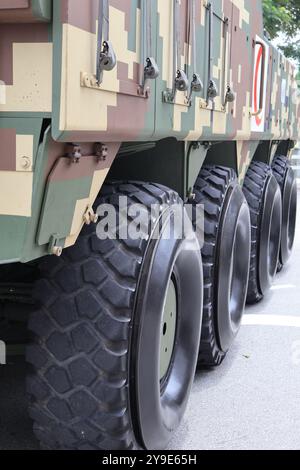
(220, 41)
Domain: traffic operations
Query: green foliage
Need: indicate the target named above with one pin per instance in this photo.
(292, 50)
(277, 17)
(283, 17)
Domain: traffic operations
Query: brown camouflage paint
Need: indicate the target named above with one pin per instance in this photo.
(8, 150)
(10, 35)
(133, 118)
(15, 11)
(124, 125)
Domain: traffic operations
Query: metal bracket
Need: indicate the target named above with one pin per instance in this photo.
(168, 96)
(55, 247)
(101, 151)
(196, 87)
(181, 83)
(212, 91)
(90, 217)
(107, 60)
(151, 72)
(74, 152)
(88, 80)
(229, 97)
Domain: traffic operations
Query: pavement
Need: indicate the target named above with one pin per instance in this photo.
(252, 401)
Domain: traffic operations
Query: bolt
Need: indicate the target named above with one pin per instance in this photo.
(74, 153)
(101, 151)
(57, 251)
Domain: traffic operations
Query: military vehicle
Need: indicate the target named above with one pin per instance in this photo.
(161, 102)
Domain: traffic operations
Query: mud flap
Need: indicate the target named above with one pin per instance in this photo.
(71, 190)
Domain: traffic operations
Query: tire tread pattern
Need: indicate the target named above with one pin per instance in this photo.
(79, 384)
(280, 166)
(254, 189)
(210, 191)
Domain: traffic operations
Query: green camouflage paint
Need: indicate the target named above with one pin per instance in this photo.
(48, 65)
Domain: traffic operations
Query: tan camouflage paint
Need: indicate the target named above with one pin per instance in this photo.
(53, 80)
(99, 106)
(26, 68)
(26, 56)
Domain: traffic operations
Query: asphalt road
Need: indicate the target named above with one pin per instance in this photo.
(251, 402)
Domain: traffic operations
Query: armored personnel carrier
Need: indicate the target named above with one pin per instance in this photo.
(164, 103)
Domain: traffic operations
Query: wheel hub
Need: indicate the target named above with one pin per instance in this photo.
(168, 329)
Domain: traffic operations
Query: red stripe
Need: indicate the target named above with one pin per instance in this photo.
(258, 61)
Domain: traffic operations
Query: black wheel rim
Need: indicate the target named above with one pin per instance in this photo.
(168, 331)
(160, 402)
(240, 272)
(292, 218)
(289, 215)
(232, 267)
(270, 235)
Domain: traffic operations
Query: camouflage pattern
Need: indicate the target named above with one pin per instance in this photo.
(48, 67)
(24, 11)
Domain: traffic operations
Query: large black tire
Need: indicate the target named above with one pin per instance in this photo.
(263, 195)
(226, 258)
(285, 177)
(96, 380)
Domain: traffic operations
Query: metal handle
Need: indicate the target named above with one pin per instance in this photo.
(180, 78)
(106, 57)
(212, 90)
(196, 82)
(227, 92)
(262, 79)
(150, 69)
